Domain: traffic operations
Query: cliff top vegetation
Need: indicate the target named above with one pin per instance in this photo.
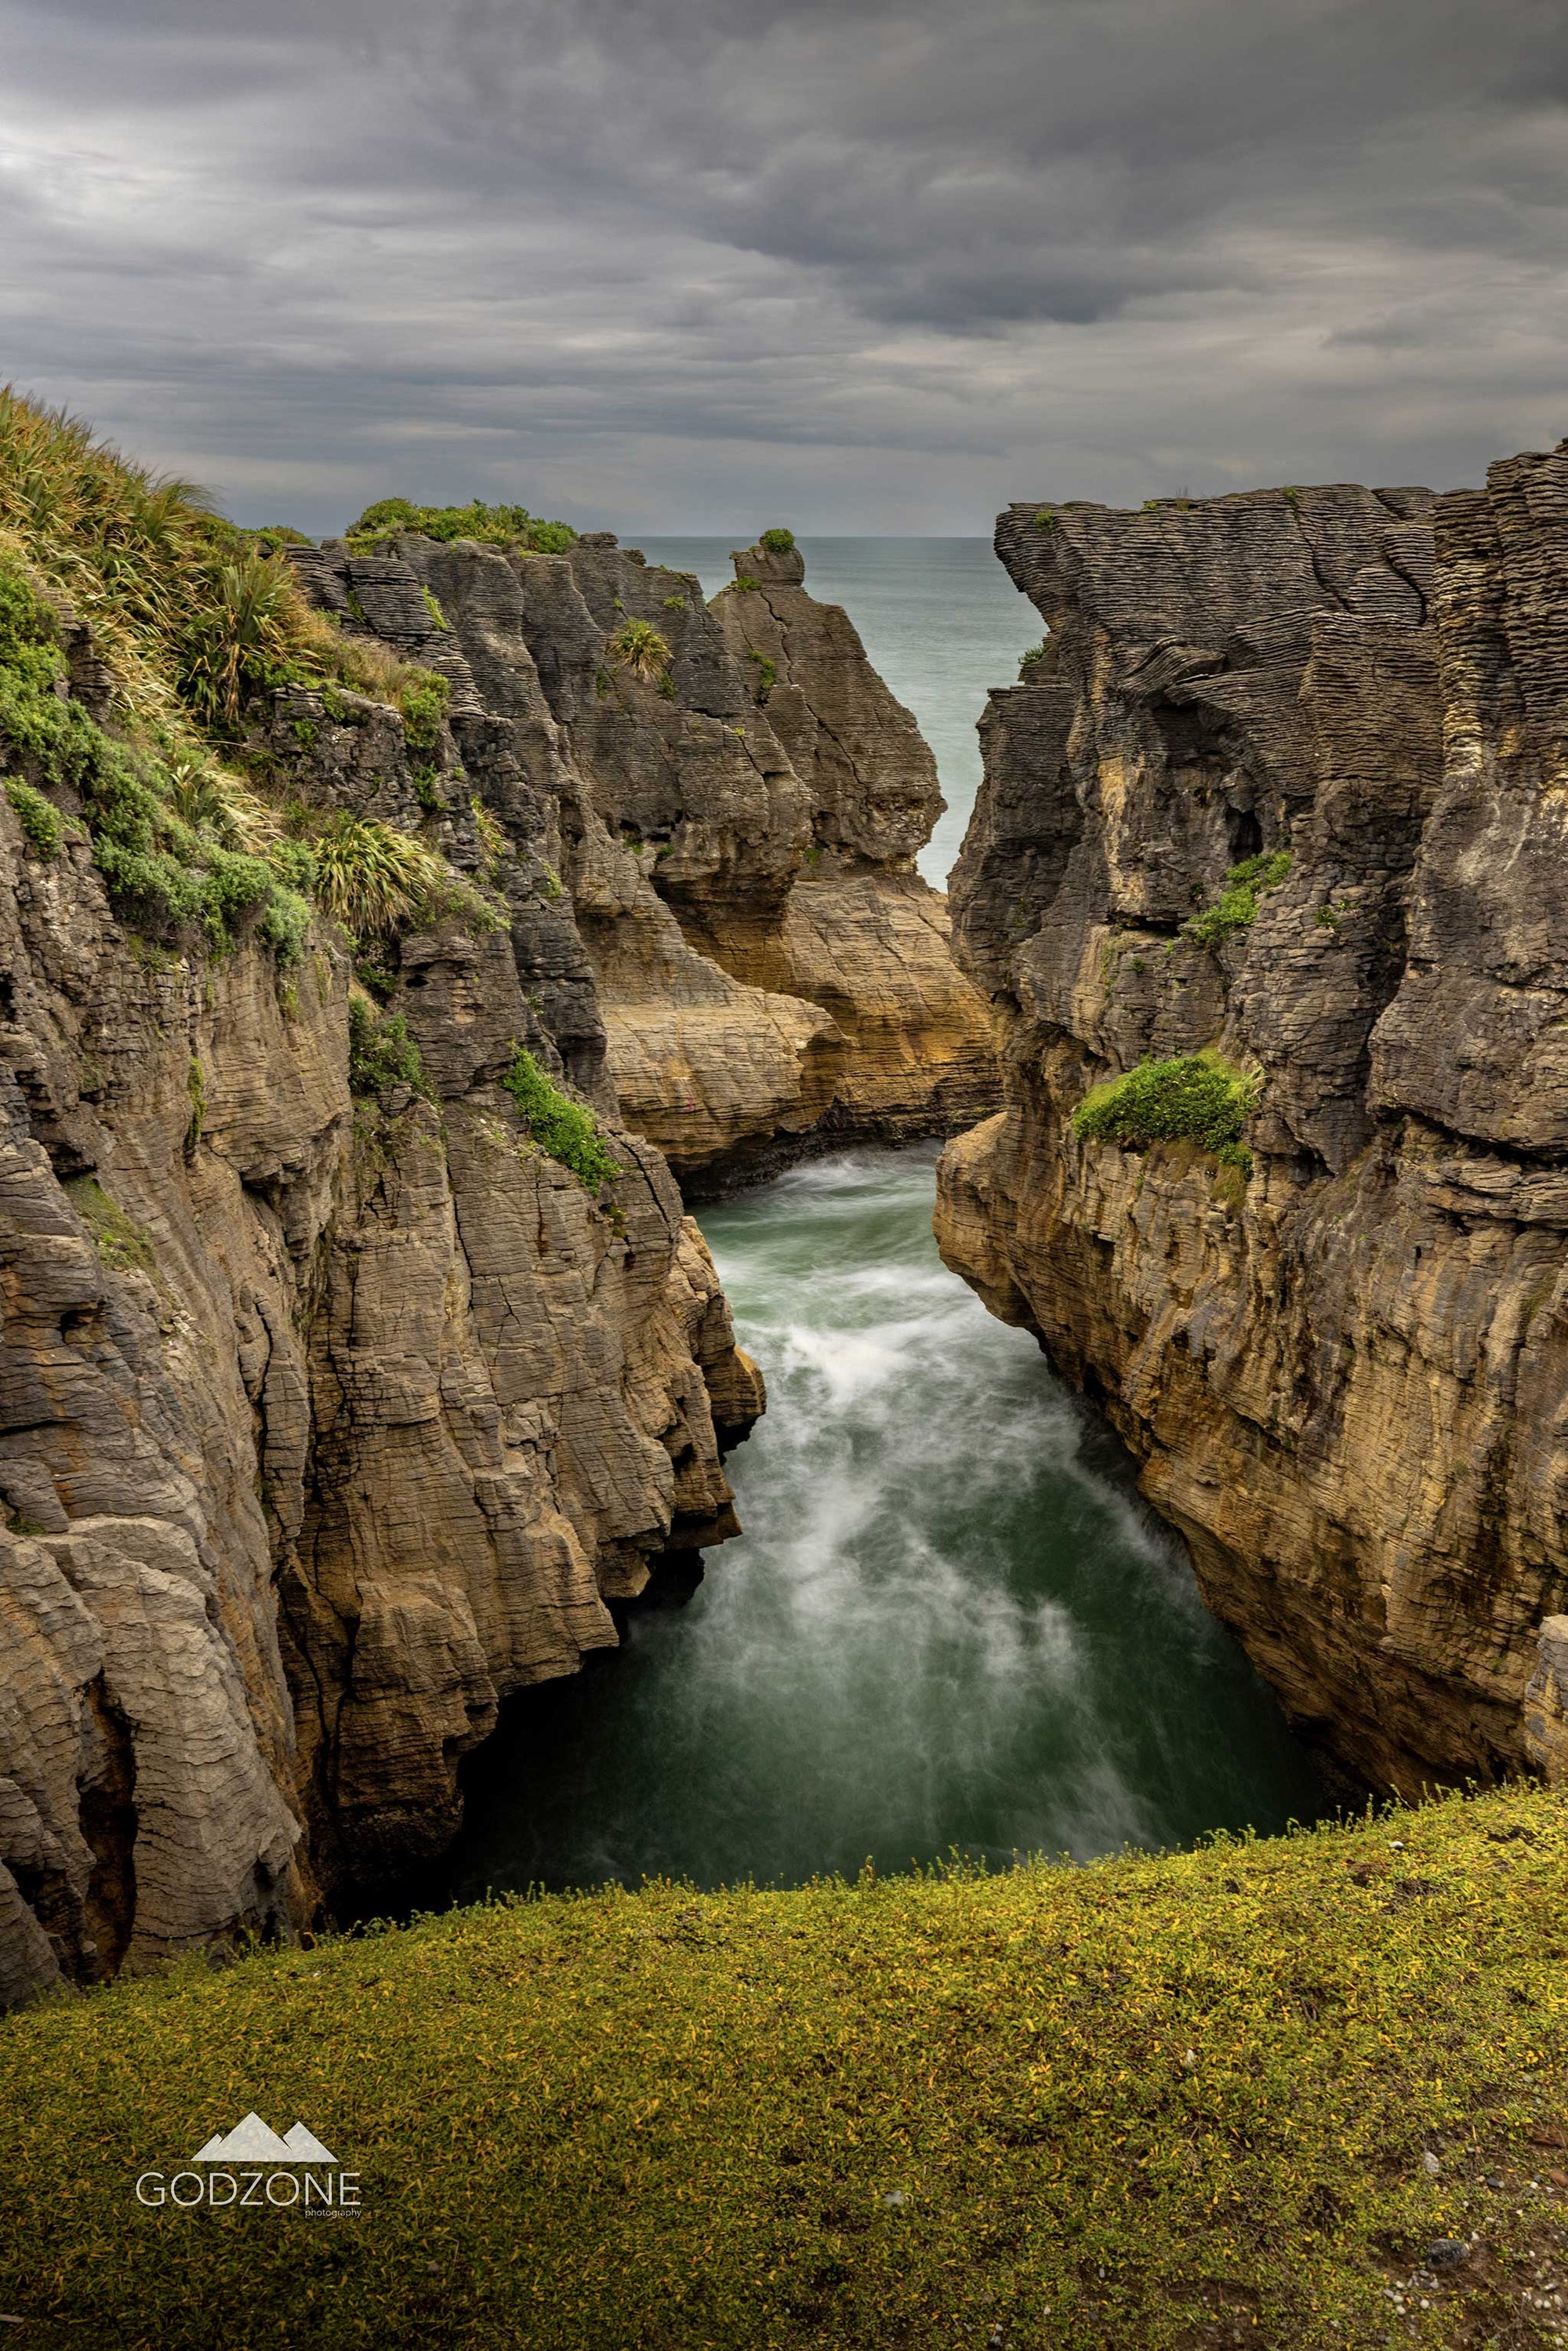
(513, 527)
(1292, 2092)
(194, 624)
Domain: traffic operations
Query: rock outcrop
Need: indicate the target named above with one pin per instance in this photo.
(326, 1420)
(1341, 1352)
(729, 801)
(329, 1419)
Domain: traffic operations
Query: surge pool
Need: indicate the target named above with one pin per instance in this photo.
(950, 1627)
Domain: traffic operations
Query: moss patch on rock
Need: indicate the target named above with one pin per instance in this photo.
(1197, 1097)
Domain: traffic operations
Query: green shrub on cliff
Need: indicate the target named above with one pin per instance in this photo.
(1196, 1098)
(778, 542)
(381, 1053)
(43, 827)
(511, 527)
(1297, 2092)
(1238, 907)
(194, 624)
(568, 1131)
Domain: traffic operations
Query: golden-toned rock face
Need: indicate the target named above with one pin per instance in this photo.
(327, 1421)
(1285, 788)
(732, 801)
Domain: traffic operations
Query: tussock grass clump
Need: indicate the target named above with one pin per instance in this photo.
(1155, 2105)
(193, 619)
(568, 1131)
(513, 527)
(375, 879)
(637, 646)
(778, 542)
(1237, 909)
(1197, 1098)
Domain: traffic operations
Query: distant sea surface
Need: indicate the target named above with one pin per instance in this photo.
(939, 618)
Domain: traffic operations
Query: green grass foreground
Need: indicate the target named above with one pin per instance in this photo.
(1172, 2102)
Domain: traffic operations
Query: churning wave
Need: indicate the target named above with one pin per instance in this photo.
(950, 1626)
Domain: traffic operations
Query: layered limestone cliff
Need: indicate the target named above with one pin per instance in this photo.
(729, 801)
(327, 1419)
(1340, 1350)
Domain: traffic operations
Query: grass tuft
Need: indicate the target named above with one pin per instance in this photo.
(1238, 907)
(568, 1131)
(637, 646)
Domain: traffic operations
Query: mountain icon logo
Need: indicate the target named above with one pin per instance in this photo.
(254, 2141)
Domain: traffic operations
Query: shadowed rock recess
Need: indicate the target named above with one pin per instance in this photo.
(331, 1419)
(1339, 1343)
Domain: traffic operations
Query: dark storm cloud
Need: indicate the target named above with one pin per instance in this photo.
(882, 265)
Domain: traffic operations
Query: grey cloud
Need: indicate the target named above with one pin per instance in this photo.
(892, 261)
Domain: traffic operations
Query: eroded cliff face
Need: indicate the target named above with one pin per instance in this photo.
(327, 1420)
(730, 820)
(1346, 1369)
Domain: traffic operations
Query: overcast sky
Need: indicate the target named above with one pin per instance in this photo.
(878, 265)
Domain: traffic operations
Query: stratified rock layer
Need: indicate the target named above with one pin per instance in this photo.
(730, 818)
(1344, 1371)
(324, 1421)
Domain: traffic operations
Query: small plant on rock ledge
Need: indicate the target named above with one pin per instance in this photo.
(1197, 1098)
(1238, 906)
(42, 825)
(778, 542)
(638, 647)
(381, 1053)
(568, 1131)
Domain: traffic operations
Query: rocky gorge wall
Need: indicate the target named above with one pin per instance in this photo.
(729, 817)
(330, 1414)
(1340, 1350)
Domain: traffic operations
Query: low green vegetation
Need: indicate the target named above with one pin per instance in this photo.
(375, 879)
(745, 585)
(195, 623)
(1035, 653)
(766, 673)
(778, 542)
(1045, 518)
(637, 646)
(122, 1244)
(511, 527)
(433, 606)
(1196, 1098)
(1237, 909)
(675, 603)
(1295, 2093)
(567, 1129)
(381, 1053)
(43, 827)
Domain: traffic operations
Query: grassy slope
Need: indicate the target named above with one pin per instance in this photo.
(1173, 2101)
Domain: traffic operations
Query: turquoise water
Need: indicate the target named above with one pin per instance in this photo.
(950, 1623)
(941, 621)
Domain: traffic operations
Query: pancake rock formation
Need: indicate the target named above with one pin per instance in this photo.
(728, 802)
(327, 1418)
(1279, 810)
